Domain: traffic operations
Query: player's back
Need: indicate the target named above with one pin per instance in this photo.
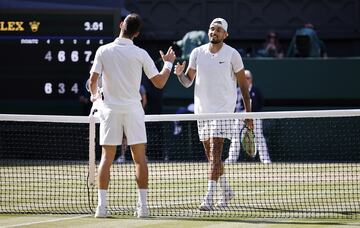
(122, 69)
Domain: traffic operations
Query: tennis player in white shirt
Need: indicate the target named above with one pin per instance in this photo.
(121, 64)
(216, 68)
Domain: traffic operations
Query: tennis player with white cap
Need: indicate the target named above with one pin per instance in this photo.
(216, 68)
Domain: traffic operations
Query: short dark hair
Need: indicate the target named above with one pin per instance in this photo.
(132, 24)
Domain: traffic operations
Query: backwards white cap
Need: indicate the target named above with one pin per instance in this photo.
(220, 22)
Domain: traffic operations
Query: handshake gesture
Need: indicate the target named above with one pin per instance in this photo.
(185, 79)
(169, 57)
(179, 68)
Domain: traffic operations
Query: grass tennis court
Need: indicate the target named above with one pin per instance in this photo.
(276, 191)
(160, 222)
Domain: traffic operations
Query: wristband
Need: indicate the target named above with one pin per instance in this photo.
(94, 97)
(168, 65)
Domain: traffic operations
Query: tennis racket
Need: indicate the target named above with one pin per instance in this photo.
(248, 141)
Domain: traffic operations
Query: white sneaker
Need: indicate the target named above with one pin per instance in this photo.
(266, 161)
(206, 205)
(225, 198)
(229, 161)
(101, 212)
(141, 212)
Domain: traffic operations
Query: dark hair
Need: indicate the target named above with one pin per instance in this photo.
(132, 24)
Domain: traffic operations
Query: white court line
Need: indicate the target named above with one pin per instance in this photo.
(53, 220)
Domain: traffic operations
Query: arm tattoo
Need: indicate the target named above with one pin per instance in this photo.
(185, 80)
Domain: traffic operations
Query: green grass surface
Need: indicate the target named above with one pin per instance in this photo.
(276, 191)
(159, 222)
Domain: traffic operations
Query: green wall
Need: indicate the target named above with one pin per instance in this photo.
(332, 78)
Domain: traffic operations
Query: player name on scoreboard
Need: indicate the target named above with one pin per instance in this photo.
(11, 26)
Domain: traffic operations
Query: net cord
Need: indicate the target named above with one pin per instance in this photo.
(44, 118)
(192, 117)
(254, 115)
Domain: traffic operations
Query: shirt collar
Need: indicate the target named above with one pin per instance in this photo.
(120, 40)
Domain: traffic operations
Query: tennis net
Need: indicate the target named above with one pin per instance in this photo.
(307, 165)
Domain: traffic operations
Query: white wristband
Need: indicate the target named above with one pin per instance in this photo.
(168, 65)
(94, 97)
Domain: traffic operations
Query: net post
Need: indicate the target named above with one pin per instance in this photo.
(92, 165)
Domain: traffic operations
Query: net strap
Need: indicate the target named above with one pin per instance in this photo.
(92, 165)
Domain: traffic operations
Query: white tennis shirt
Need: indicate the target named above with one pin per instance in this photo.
(215, 82)
(121, 64)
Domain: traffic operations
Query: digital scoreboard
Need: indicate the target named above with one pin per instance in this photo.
(47, 54)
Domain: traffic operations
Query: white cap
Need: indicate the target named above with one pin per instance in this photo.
(220, 22)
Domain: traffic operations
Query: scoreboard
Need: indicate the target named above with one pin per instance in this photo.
(47, 54)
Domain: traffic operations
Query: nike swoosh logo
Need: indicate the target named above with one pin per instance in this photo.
(221, 62)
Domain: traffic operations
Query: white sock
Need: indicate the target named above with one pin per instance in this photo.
(102, 197)
(211, 190)
(142, 197)
(225, 187)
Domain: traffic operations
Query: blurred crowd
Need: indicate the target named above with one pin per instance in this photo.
(304, 43)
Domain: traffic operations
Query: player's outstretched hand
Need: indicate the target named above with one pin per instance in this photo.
(179, 68)
(169, 56)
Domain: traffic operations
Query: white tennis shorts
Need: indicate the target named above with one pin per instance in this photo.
(114, 124)
(216, 129)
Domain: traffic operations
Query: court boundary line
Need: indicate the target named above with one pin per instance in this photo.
(47, 221)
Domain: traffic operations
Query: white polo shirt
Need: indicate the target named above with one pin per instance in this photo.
(121, 64)
(215, 83)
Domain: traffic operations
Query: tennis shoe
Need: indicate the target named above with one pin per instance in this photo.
(141, 212)
(101, 212)
(206, 205)
(230, 161)
(267, 161)
(225, 198)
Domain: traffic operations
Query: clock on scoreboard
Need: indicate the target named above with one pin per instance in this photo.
(47, 54)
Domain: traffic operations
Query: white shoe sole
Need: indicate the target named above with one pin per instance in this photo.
(101, 215)
(141, 215)
(206, 208)
(225, 203)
